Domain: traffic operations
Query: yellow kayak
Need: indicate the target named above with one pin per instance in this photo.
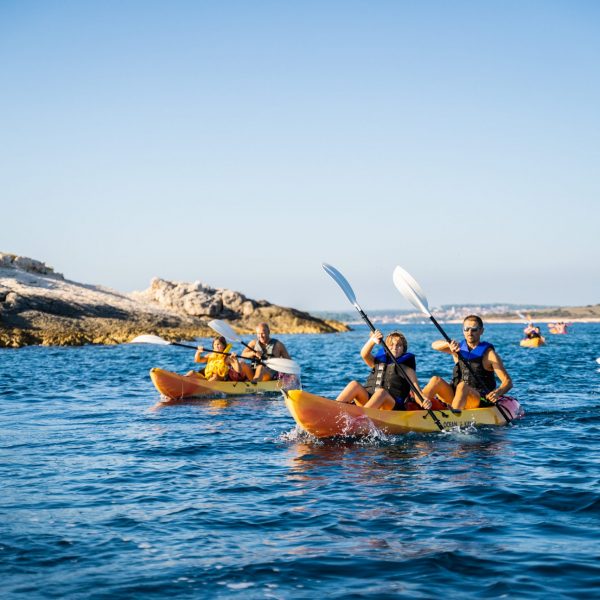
(323, 417)
(176, 387)
(533, 342)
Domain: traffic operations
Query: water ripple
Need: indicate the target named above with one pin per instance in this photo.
(106, 496)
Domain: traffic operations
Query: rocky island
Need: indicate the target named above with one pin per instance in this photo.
(40, 306)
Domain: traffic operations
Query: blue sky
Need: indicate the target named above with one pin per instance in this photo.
(244, 143)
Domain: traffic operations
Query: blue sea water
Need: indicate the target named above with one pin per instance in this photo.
(104, 494)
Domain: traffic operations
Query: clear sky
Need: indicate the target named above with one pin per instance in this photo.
(244, 143)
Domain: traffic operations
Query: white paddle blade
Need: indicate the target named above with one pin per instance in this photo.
(411, 290)
(341, 281)
(149, 339)
(223, 329)
(283, 365)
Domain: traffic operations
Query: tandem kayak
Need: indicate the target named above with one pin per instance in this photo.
(533, 342)
(324, 418)
(177, 387)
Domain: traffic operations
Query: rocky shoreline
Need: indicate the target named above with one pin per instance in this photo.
(38, 306)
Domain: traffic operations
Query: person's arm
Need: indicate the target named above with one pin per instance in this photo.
(280, 351)
(233, 362)
(198, 358)
(411, 374)
(249, 352)
(365, 351)
(495, 362)
(443, 346)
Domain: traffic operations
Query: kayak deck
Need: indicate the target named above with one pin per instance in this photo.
(177, 387)
(323, 417)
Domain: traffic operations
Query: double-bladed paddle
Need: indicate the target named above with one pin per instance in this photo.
(280, 365)
(413, 292)
(349, 292)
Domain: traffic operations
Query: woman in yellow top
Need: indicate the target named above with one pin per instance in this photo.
(219, 362)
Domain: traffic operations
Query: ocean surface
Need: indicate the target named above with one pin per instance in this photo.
(104, 494)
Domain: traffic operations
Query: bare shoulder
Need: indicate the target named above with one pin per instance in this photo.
(281, 350)
(492, 357)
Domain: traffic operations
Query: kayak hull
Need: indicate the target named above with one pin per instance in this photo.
(322, 417)
(177, 387)
(533, 342)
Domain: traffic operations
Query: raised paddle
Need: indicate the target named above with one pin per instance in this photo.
(349, 292)
(277, 364)
(413, 292)
(283, 365)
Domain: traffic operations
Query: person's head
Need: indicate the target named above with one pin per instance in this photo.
(263, 334)
(219, 343)
(472, 328)
(397, 343)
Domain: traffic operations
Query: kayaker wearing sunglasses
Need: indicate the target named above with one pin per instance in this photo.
(470, 386)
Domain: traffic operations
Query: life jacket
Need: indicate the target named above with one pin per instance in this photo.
(216, 365)
(389, 376)
(265, 351)
(475, 359)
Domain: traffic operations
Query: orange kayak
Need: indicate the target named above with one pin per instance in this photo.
(323, 417)
(533, 342)
(176, 387)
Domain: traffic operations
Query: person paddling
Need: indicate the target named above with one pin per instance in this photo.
(386, 387)
(470, 386)
(219, 363)
(532, 331)
(262, 348)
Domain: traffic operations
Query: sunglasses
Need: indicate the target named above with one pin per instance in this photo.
(471, 329)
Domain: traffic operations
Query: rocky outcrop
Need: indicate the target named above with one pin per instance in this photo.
(40, 306)
(197, 300)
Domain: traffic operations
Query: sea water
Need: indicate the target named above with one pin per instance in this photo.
(106, 495)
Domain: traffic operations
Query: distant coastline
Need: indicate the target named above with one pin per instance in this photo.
(491, 313)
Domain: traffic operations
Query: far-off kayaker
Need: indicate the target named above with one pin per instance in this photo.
(470, 386)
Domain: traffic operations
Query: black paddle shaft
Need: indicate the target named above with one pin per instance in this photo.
(210, 351)
(410, 383)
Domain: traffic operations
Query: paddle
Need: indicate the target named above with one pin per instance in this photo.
(413, 292)
(282, 365)
(154, 339)
(277, 364)
(349, 292)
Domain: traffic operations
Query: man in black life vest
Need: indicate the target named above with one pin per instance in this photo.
(386, 387)
(263, 347)
(469, 387)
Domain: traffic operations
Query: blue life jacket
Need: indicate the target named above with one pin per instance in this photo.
(485, 381)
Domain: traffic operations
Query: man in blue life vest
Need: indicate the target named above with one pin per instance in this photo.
(473, 383)
(261, 348)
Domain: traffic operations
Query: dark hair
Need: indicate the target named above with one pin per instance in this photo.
(219, 338)
(474, 318)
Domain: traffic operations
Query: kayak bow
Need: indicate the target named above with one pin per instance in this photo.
(323, 417)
